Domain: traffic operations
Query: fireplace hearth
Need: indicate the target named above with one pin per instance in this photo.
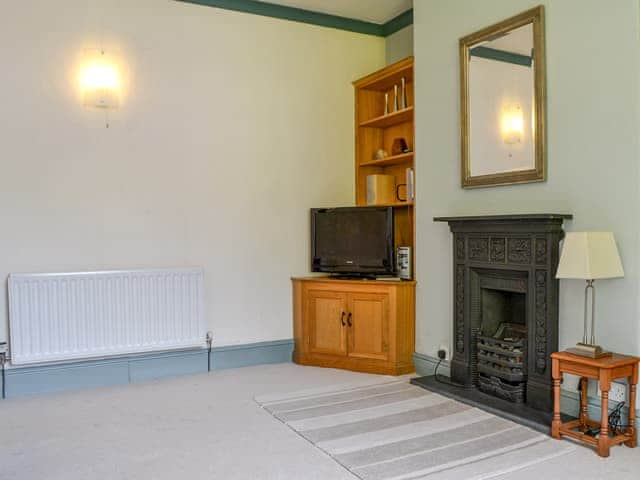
(505, 306)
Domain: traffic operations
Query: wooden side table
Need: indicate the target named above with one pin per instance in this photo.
(605, 370)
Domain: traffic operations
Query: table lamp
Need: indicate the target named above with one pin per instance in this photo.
(589, 256)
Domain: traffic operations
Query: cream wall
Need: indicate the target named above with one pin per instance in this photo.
(232, 126)
(593, 55)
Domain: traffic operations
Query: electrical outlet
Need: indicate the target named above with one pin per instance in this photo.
(617, 392)
(443, 352)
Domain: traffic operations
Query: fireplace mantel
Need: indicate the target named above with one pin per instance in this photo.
(527, 248)
(527, 217)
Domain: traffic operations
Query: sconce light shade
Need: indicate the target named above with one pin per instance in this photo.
(100, 83)
(512, 124)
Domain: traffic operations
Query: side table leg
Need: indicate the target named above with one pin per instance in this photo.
(603, 439)
(584, 387)
(557, 376)
(633, 380)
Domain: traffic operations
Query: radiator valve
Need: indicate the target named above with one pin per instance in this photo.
(4, 348)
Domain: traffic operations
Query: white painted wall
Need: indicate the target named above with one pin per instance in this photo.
(399, 45)
(593, 75)
(232, 126)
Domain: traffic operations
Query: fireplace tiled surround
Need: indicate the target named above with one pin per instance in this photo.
(504, 274)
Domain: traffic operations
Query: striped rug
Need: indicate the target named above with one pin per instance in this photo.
(393, 430)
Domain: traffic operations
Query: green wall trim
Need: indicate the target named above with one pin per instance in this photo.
(501, 56)
(569, 403)
(398, 23)
(283, 12)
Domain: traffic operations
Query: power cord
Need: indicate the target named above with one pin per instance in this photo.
(2, 360)
(209, 347)
(616, 427)
(443, 381)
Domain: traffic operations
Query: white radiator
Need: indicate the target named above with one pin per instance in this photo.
(67, 316)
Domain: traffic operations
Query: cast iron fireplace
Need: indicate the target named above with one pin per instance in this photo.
(505, 305)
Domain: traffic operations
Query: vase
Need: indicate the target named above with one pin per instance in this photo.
(403, 95)
(395, 98)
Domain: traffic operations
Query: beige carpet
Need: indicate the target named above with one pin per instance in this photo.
(208, 427)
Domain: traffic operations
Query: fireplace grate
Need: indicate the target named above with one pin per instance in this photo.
(502, 362)
(499, 388)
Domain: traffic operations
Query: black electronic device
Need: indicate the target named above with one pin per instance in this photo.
(355, 241)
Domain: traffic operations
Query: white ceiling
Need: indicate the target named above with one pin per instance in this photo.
(376, 11)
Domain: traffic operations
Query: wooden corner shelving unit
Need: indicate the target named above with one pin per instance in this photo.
(375, 130)
(365, 325)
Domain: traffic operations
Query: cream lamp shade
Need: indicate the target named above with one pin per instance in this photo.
(590, 256)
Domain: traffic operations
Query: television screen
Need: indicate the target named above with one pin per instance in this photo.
(352, 240)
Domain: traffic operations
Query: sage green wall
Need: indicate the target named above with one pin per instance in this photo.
(593, 55)
(399, 45)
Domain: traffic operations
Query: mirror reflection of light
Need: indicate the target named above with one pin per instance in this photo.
(512, 124)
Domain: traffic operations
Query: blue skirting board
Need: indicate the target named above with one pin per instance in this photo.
(30, 380)
(569, 403)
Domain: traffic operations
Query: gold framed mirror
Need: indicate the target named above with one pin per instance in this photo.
(502, 100)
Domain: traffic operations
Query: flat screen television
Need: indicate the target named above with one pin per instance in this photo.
(352, 240)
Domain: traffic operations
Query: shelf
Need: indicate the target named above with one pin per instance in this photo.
(374, 131)
(394, 205)
(386, 78)
(387, 82)
(400, 205)
(393, 160)
(394, 118)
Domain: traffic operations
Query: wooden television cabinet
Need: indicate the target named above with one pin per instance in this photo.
(362, 325)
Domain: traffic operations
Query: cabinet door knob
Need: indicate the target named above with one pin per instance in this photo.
(349, 319)
(342, 319)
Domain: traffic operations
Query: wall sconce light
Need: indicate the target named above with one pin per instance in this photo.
(100, 81)
(512, 124)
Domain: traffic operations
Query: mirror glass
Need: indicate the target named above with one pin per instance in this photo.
(501, 103)
(501, 100)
